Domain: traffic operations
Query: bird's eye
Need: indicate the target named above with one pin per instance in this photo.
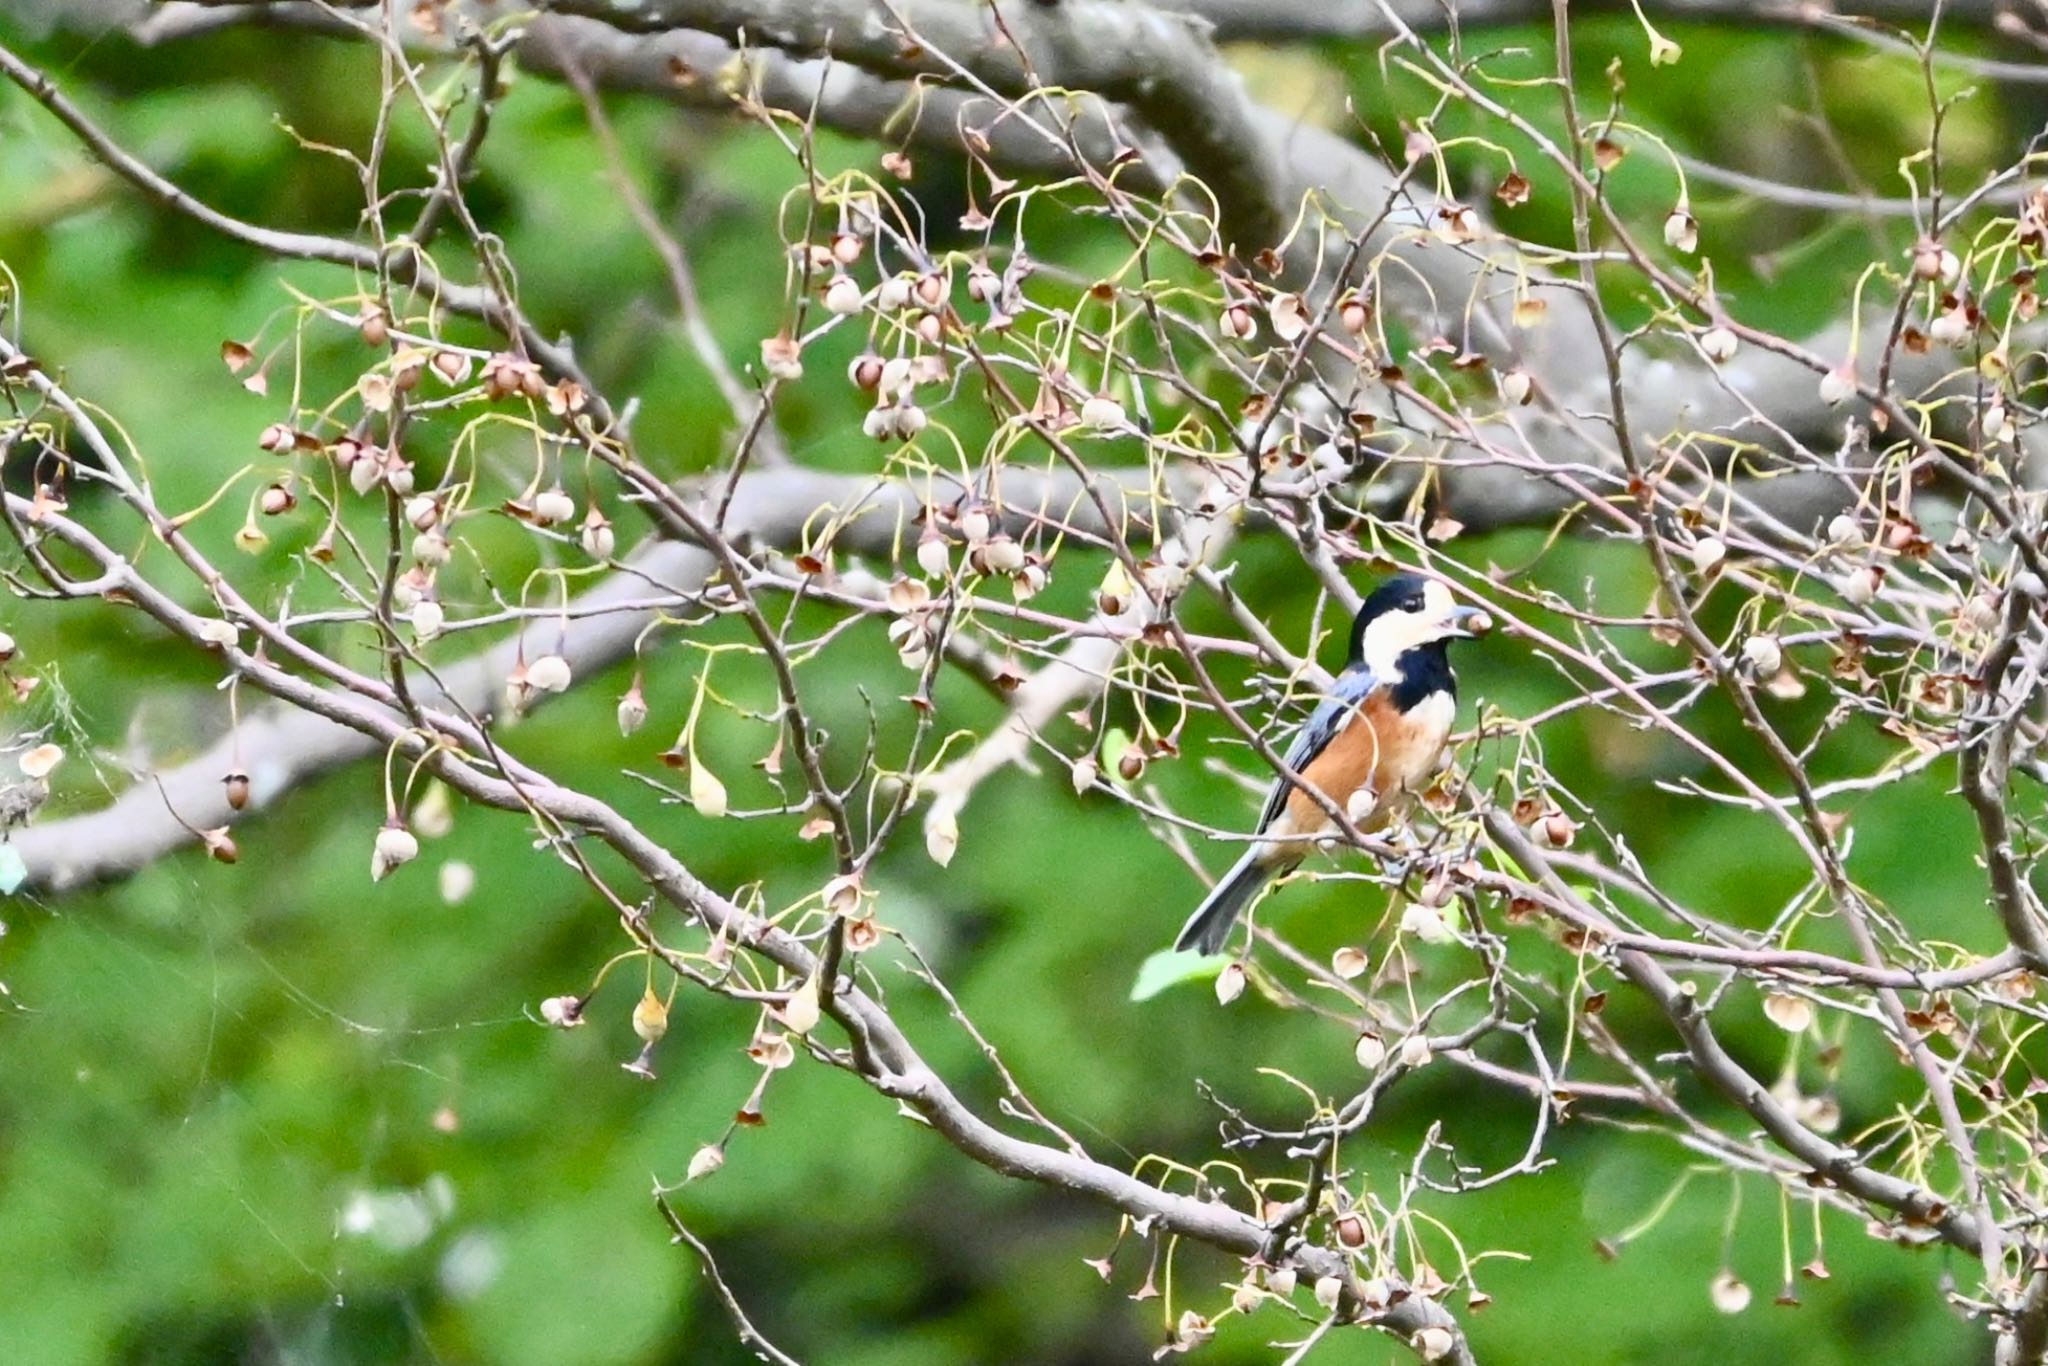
(1414, 604)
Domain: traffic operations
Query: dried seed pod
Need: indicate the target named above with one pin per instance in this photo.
(553, 506)
(843, 296)
(1002, 555)
(1788, 1012)
(365, 473)
(934, 556)
(1859, 585)
(428, 617)
(1951, 327)
(976, 523)
(450, 367)
(632, 712)
(1682, 230)
(1288, 315)
(220, 845)
(1728, 1293)
(650, 1017)
(1838, 384)
(801, 1013)
(41, 762)
(562, 1012)
(1762, 653)
(395, 847)
(432, 548)
(423, 512)
(1354, 314)
(1102, 413)
(782, 357)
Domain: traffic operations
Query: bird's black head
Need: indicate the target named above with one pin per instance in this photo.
(1407, 612)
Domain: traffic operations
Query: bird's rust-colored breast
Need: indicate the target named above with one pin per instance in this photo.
(1391, 751)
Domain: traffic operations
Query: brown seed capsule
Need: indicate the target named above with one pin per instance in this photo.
(220, 845)
(1354, 314)
(237, 784)
(452, 367)
(865, 371)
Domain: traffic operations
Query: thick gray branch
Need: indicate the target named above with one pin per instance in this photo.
(1241, 20)
(284, 746)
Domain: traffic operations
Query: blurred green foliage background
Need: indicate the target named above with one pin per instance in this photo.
(273, 1113)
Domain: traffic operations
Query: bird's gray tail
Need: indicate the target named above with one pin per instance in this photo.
(1208, 929)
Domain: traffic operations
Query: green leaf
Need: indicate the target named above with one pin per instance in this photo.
(1171, 967)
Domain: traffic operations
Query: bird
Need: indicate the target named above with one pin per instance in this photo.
(1376, 736)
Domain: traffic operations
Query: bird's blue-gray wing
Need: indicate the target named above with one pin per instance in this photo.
(1352, 687)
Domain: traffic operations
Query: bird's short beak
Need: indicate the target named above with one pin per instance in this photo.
(1467, 622)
